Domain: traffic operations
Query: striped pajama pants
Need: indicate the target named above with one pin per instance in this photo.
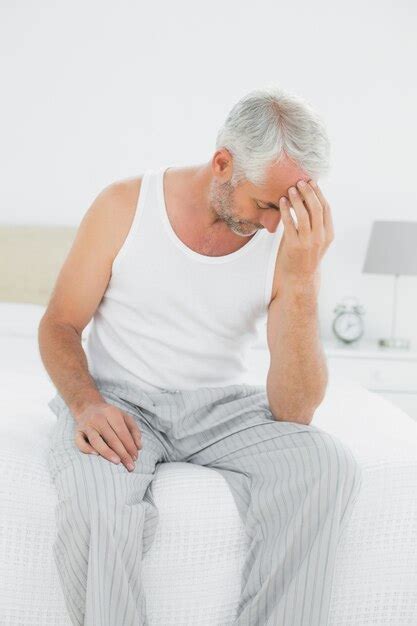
(294, 485)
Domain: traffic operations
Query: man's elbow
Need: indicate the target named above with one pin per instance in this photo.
(298, 414)
(300, 417)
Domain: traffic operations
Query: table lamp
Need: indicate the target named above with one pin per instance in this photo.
(392, 249)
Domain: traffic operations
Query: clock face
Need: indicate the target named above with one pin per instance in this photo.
(348, 326)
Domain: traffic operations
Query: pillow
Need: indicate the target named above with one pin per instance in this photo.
(20, 319)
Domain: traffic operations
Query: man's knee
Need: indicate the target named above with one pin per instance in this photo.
(318, 454)
(336, 462)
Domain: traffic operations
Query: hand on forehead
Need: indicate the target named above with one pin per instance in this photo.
(280, 178)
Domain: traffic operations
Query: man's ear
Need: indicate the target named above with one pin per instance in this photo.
(222, 162)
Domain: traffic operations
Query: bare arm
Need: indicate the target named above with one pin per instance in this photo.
(297, 376)
(66, 363)
(79, 288)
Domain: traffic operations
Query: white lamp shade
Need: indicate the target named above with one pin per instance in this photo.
(392, 248)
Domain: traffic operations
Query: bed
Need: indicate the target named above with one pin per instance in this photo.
(192, 572)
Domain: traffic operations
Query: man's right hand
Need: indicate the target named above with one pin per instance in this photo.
(102, 428)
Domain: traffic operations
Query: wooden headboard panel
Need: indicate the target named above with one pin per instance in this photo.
(30, 260)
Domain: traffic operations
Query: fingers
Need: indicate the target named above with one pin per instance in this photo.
(109, 435)
(313, 205)
(118, 423)
(289, 226)
(312, 210)
(83, 444)
(98, 444)
(134, 430)
(303, 216)
(111, 432)
(327, 214)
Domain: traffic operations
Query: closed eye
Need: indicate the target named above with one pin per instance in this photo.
(264, 208)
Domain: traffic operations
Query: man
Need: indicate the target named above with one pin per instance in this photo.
(177, 268)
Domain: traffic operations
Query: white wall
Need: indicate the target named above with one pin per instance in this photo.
(97, 91)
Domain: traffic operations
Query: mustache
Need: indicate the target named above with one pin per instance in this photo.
(258, 226)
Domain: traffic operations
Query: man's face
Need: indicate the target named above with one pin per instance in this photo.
(247, 208)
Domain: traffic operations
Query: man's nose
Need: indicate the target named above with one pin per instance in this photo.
(271, 221)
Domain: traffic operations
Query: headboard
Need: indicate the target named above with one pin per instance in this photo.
(30, 259)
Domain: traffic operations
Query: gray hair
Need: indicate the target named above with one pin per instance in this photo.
(269, 123)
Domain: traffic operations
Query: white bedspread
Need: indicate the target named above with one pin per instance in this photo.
(192, 572)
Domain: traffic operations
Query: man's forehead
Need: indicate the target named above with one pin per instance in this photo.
(281, 176)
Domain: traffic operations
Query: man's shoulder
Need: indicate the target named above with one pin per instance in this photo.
(121, 194)
(113, 210)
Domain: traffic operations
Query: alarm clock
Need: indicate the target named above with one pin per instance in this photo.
(348, 324)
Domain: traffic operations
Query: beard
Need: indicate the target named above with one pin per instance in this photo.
(221, 203)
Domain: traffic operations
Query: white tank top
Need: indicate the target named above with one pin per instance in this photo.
(172, 318)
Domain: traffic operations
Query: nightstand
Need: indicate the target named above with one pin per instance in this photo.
(392, 373)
